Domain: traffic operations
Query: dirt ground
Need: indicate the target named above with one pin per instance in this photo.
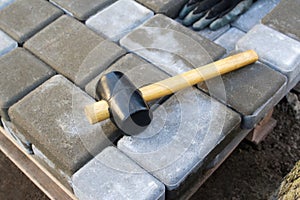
(251, 172)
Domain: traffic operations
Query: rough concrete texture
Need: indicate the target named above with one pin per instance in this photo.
(183, 133)
(212, 35)
(285, 18)
(229, 39)
(73, 50)
(139, 72)
(249, 92)
(52, 118)
(5, 3)
(6, 43)
(115, 26)
(112, 175)
(253, 16)
(82, 9)
(171, 46)
(24, 18)
(171, 8)
(20, 73)
(274, 49)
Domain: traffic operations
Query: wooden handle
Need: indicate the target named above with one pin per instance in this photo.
(99, 111)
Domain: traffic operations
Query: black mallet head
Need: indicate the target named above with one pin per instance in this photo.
(127, 107)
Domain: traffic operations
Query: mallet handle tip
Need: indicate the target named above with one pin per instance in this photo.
(97, 112)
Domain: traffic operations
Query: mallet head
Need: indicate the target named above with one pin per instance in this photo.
(127, 107)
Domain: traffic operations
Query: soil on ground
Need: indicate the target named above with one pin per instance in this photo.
(251, 172)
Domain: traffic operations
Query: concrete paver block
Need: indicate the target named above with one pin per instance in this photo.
(139, 72)
(230, 38)
(171, 8)
(249, 92)
(171, 46)
(82, 9)
(274, 49)
(112, 175)
(6, 43)
(73, 50)
(23, 18)
(52, 118)
(253, 16)
(285, 18)
(20, 73)
(120, 18)
(184, 133)
(5, 3)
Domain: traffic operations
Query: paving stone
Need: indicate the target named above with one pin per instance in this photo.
(82, 9)
(285, 18)
(52, 118)
(274, 49)
(171, 8)
(139, 72)
(6, 43)
(20, 73)
(212, 35)
(127, 15)
(230, 38)
(171, 46)
(187, 131)
(23, 18)
(5, 3)
(73, 50)
(249, 92)
(112, 175)
(253, 16)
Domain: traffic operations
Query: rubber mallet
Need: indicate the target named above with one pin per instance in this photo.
(126, 105)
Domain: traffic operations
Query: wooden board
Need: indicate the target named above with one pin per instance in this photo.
(33, 170)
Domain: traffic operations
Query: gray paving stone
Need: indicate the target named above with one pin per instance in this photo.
(253, 16)
(184, 134)
(171, 46)
(20, 73)
(112, 175)
(5, 3)
(212, 35)
(24, 18)
(127, 15)
(274, 49)
(171, 8)
(139, 72)
(52, 118)
(6, 43)
(82, 9)
(285, 18)
(229, 39)
(252, 91)
(73, 50)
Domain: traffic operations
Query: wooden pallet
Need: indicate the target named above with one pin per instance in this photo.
(33, 170)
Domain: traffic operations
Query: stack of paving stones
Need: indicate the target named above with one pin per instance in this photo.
(52, 53)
